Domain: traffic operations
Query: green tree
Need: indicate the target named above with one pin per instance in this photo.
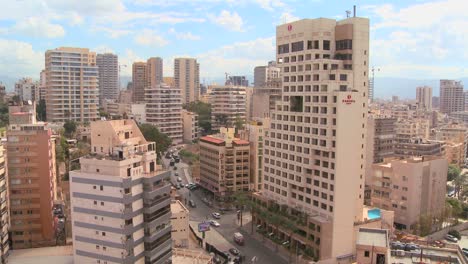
(41, 110)
(4, 118)
(103, 113)
(221, 119)
(453, 172)
(239, 123)
(152, 133)
(457, 207)
(203, 110)
(16, 99)
(459, 182)
(70, 128)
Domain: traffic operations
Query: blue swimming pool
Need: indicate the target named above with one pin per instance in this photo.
(373, 213)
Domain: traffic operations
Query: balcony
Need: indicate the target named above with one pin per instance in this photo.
(150, 238)
(157, 205)
(160, 189)
(157, 250)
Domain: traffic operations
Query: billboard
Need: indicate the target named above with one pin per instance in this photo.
(203, 227)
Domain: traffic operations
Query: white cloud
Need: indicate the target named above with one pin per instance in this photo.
(287, 17)
(149, 37)
(103, 49)
(231, 21)
(127, 60)
(270, 5)
(18, 59)
(111, 32)
(38, 27)
(184, 35)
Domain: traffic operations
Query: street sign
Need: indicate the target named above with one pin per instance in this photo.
(203, 227)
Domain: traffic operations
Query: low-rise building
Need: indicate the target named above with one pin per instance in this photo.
(413, 188)
(224, 163)
(190, 126)
(180, 224)
(419, 147)
(372, 246)
(138, 113)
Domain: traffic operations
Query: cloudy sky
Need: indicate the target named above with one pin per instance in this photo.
(409, 39)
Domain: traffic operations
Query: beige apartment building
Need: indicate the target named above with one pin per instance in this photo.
(180, 224)
(164, 110)
(154, 71)
(224, 163)
(187, 78)
(72, 88)
(139, 81)
(27, 90)
(412, 188)
(42, 85)
(418, 147)
(120, 199)
(424, 97)
(263, 75)
(32, 179)
(190, 126)
(381, 134)
(4, 208)
(451, 96)
(109, 85)
(314, 153)
(407, 129)
(264, 101)
(228, 104)
(455, 153)
(255, 132)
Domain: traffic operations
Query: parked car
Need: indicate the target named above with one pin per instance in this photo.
(192, 203)
(239, 238)
(451, 238)
(178, 186)
(179, 179)
(176, 174)
(412, 247)
(216, 215)
(214, 223)
(234, 251)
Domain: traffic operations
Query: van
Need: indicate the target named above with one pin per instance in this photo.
(239, 238)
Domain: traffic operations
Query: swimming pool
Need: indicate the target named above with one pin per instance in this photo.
(373, 213)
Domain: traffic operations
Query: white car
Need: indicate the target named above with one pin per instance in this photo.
(214, 223)
(451, 238)
(216, 215)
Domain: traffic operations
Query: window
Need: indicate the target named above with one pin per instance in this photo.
(283, 49)
(95, 202)
(345, 44)
(326, 45)
(97, 247)
(297, 46)
(343, 77)
(366, 254)
(316, 44)
(102, 203)
(101, 188)
(103, 233)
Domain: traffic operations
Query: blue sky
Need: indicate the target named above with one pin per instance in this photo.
(409, 39)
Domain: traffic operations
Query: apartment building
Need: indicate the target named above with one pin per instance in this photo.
(42, 85)
(190, 126)
(228, 104)
(456, 136)
(418, 147)
(187, 78)
(180, 224)
(424, 97)
(314, 153)
(451, 96)
(266, 74)
(120, 199)
(381, 133)
(237, 80)
(412, 188)
(255, 132)
(139, 81)
(4, 208)
(32, 179)
(407, 129)
(455, 153)
(27, 90)
(72, 88)
(264, 101)
(164, 110)
(224, 163)
(154, 71)
(108, 65)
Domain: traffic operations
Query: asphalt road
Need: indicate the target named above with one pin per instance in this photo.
(228, 221)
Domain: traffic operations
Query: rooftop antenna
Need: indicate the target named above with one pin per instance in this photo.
(354, 10)
(348, 13)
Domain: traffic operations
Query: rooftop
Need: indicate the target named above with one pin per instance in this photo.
(44, 255)
(178, 207)
(210, 139)
(240, 142)
(372, 237)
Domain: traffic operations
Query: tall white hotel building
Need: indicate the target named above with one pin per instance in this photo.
(315, 150)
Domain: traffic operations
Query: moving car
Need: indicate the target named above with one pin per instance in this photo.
(239, 238)
(214, 223)
(216, 215)
(451, 238)
(234, 251)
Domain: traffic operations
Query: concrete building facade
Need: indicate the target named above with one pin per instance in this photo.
(314, 156)
(154, 71)
(108, 65)
(120, 199)
(164, 110)
(180, 224)
(237, 81)
(228, 104)
(264, 101)
(187, 78)
(32, 179)
(190, 126)
(72, 88)
(27, 90)
(451, 96)
(412, 188)
(139, 81)
(381, 134)
(224, 163)
(4, 208)
(266, 74)
(424, 97)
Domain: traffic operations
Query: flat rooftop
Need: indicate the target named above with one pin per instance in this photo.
(372, 237)
(44, 255)
(178, 207)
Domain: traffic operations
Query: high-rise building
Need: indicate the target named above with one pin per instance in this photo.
(451, 96)
(27, 90)
(424, 97)
(314, 153)
(42, 85)
(228, 106)
(32, 179)
(371, 90)
(435, 101)
(224, 163)
(265, 74)
(121, 206)
(465, 95)
(164, 110)
(108, 65)
(139, 81)
(154, 71)
(72, 89)
(4, 208)
(381, 133)
(187, 78)
(264, 101)
(237, 81)
(413, 188)
(190, 126)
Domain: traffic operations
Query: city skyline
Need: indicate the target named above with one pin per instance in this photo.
(170, 29)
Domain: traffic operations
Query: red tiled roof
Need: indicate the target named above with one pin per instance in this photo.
(212, 140)
(241, 142)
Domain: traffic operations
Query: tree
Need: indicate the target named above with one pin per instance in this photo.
(103, 113)
(457, 207)
(239, 123)
(459, 182)
(41, 110)
(16, 99)
(4, 118)
(70, 128)
(203, 110)
(453, 172)
(221, 119)
(152, 133)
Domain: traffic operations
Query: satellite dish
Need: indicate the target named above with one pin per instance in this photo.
(29, 102)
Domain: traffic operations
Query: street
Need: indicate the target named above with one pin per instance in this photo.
(228, 221)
